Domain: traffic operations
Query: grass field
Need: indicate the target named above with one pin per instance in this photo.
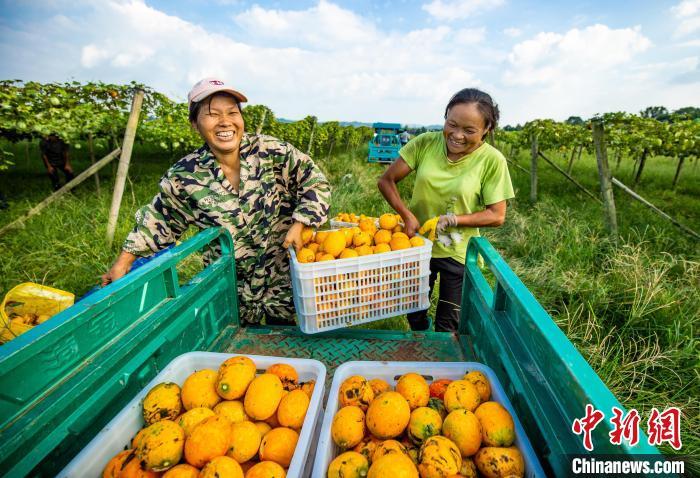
(632, 307)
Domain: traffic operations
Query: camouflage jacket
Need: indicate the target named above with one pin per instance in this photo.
(278, 185)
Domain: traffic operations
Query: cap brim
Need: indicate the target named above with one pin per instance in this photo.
(238, 95)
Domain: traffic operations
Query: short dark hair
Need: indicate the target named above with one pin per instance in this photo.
(195, 106)
(487, 107)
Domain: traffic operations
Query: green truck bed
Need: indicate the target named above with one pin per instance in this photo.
(61, 382)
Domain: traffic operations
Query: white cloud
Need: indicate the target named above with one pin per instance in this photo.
(470, 36)
(552, 57)
(688, 13)
(512, 32)
(449, 10)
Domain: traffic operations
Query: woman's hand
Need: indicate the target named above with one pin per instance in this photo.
(119, 269)
(294, 237)
(411, 224)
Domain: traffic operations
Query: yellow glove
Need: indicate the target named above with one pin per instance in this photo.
(429, 227)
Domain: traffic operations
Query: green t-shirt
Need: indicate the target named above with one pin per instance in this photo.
(464, 186)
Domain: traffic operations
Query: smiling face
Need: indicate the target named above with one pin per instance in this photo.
(220, 123)
(464, 130)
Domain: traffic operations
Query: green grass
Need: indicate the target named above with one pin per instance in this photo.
(631, 306)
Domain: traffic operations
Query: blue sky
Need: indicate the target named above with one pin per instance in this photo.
(396, 61)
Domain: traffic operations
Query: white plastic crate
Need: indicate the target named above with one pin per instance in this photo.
(333, 294)
(390, 372)
(117, 434)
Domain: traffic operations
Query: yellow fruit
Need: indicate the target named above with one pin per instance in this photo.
(461, 394)
(348, 427)
(367, 447)
(381, 248)
(245, 441)
(199, 390)
(161, 445)
(307, 233)
(347, 232)
(387, 447)
(393, 465)
(468, 469)
(266, 469)
(232, 410)
(367, 225)
(500, 462)
(388, 221)
(292, 409)
(399, 243)
(306, 256)
(194, 417)
(362, 239)
(324, 257)
(364, 250)
(183, 470)
(209, 439)
(114, 466)
(497, 425)
(263, 427)
(348, 253)
(278, 445)
(220, 467)
(348, 465)
(320, 237)
(308, 387)
(379, 386)
(439, 457)
(334, 243)
(382, 237)
(286, 373)
(424, 423)
(481, 382)
(263, 396)
(320, 255)
(388, 415)
(162, 402)
(416, 241)
(132, 469)
(398, 228)
(355, 390)
(399, 235)
(313, 247)
(414, 389)
(463, 428)
(235, 374)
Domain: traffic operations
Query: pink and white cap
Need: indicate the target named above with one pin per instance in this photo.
(209, 86)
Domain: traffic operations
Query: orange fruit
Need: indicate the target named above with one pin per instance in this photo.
(266, 469)
(348, 236)
(379, 248)
(398, 243)
(399, 234)
(397, 229)
(325, 257)
(362, 239)
(348, 253)
(367, 225)
(334, 243)
(382, 236)
(319, 255)
(307, 233)
(416, 241)
(364, 250)
(306, 255)
(320, 237)
(313, 247)
(388, 221)
(199, 390)
(278, 445)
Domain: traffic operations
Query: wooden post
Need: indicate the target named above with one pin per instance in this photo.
(61, 192)
(678, 170)
(262, 122)
(311, 138)
(604, 175)
(533, 169)
(91, 149)
(571, 161)
(642, 162)
(128, 143)
(578, 185)
(330, 149)
(654, 208)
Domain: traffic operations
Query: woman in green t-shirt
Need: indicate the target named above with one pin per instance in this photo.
(462, 180)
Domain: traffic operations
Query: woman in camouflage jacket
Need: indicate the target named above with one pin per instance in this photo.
(261, 189)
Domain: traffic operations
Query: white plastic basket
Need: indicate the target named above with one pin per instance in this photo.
(117, 434)
(390, 372)
(333, 294)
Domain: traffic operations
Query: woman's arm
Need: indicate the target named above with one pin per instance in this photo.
(387, 186)
(493, 216)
